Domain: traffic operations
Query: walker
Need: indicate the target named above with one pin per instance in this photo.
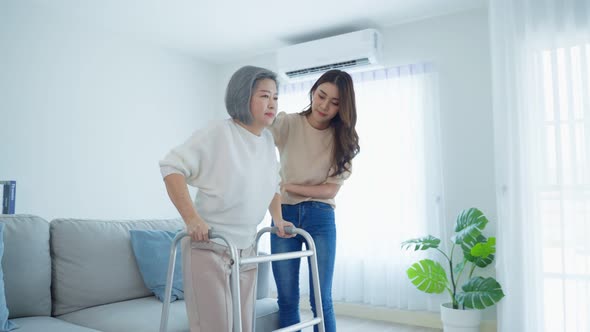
(235, 277)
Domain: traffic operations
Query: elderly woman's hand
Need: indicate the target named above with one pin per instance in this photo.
(281, 224)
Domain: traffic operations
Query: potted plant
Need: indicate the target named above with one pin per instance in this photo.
(476, 292)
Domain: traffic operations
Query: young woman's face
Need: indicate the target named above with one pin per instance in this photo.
(324, 104)
(263, 103)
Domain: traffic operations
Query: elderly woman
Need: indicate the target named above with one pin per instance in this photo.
(234, 165)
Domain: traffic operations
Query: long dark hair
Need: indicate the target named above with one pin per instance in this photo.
(346, 140)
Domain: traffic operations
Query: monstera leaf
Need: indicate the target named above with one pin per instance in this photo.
(422, 243)
(470, 224)
(484, 249)
(480, 293)
(481, 251)
(428, 276)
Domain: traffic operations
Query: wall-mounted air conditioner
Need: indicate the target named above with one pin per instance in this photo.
(359, 49)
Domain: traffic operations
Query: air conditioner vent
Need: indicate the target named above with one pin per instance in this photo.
(324, 68)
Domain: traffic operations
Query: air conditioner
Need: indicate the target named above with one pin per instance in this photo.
(350, 51)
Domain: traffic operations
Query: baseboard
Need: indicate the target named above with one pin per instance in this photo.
(407, 317)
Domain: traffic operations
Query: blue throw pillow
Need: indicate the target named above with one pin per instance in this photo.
(152, 250)
(5, 324)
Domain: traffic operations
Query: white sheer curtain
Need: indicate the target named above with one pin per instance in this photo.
(541, 71)
(395, 191)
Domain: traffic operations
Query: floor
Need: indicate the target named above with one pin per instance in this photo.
(353, 324)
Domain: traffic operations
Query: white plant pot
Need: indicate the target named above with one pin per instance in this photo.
(455, 320)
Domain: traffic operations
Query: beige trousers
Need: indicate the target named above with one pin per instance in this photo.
(207, 294)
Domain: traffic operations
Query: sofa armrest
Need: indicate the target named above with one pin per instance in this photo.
(264, 279)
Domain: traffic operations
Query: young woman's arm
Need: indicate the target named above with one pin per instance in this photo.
(177, 189)
(277, 216)
(322, 191)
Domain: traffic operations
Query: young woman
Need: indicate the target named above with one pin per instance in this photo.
(234, 165)
(316, 148)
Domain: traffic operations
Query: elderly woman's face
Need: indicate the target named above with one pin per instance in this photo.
(263, 103)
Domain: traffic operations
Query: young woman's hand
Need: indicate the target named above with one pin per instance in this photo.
(285, 187)
(197, 229)
(281, 224)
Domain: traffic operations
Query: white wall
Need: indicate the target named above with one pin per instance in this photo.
(86, 115)
(458, 45)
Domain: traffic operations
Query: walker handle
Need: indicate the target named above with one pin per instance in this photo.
(288, 230)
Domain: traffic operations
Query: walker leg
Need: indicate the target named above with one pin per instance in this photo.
(235, 289)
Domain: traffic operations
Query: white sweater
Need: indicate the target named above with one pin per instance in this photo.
(236, 172)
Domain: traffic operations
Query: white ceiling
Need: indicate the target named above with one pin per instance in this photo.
(222, 31)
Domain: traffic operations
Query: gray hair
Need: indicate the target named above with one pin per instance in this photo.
(240, 89)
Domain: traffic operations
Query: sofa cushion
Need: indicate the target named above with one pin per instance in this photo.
(5, 324)
(264, 279)
(123, 316)
(48, 324)
(93, 263)
(28, 286)
(267, 315)
(152, 253)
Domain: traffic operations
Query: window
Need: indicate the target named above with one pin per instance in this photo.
(564, 191)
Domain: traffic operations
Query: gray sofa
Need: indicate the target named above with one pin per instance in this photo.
(74, 275)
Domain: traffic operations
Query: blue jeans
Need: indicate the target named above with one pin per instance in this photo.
(318, 220)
